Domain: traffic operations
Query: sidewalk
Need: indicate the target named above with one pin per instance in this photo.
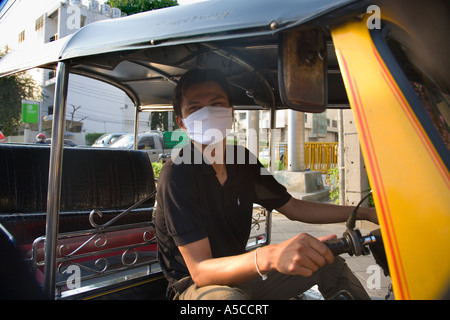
(364, 267)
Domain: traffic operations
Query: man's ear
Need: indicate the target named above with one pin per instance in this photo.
(180, 122)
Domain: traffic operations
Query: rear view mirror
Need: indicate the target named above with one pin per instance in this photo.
(303, 70)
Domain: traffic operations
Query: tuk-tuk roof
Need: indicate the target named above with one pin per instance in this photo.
(215, 18)
(127, 44)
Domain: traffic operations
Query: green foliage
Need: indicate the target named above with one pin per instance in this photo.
(159, 121)
(157, 166)
(371, 202)
(333, 180)
(134, 6)
(13, 89)
(278, 165)
(91, 137)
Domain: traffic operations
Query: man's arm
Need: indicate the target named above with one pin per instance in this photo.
(301, 255)
(322, 213)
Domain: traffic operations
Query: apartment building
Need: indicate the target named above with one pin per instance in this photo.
(92, 106)
(321, 127)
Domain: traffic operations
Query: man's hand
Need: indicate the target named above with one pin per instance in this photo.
(303, 255)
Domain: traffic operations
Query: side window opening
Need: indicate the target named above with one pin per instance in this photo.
(148, 143)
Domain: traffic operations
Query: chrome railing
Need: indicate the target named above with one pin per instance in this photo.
(107, 254)
(260, 234)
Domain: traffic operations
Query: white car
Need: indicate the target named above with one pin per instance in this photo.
(152, 143)
(107, 139)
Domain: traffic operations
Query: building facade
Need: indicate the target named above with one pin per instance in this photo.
(92, 106)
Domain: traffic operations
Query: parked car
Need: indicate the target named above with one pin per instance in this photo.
(107, 139)
(153, 143)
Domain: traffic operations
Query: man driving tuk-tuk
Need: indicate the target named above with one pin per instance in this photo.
(205, 206)
(384, 59)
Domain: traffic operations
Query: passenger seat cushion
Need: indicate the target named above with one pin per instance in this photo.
(104, 179)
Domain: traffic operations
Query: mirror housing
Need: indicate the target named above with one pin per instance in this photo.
(303, 70)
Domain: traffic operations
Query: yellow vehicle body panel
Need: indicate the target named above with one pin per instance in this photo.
(410, 181)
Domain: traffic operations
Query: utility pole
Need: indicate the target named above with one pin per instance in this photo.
(296, 141)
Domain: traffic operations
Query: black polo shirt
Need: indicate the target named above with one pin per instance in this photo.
(193, 205)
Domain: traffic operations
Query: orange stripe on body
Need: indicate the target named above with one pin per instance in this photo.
(378, 184)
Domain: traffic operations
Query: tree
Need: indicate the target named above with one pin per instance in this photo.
(159, 121)
(134, 6)
(13, 89)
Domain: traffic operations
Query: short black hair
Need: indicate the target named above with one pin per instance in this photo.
(197, 76)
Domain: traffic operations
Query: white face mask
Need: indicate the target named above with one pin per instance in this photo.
(209, 124)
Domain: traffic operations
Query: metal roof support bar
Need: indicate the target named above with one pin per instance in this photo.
(246, 65)
(55, 174)
(155, 70)
(120, 85)
(136, 127)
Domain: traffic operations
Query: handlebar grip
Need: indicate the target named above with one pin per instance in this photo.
(338, 246)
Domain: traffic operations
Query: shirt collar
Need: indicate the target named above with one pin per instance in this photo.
(207, 168)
